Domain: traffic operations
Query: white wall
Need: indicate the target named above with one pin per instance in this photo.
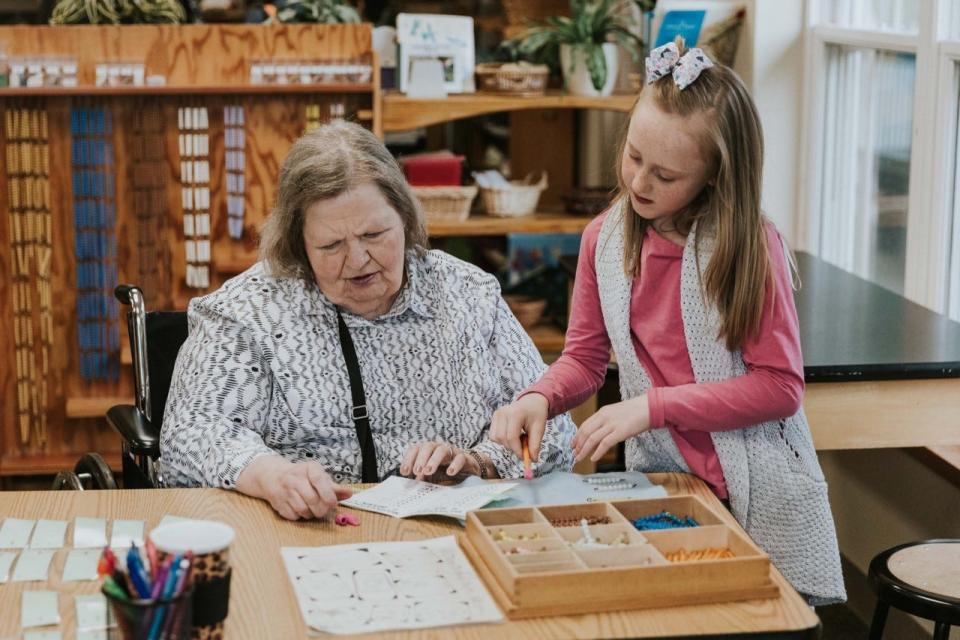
(772, 66)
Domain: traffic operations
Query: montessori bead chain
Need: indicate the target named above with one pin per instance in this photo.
(94, 208)
(235, 164)
(31, 233)
(149, 180)
(194, 146)
(664, 520)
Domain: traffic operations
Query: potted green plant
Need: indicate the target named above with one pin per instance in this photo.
(117, 12)
(322, 11)
(585, 43)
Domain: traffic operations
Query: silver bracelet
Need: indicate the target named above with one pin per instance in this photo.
(480, 463)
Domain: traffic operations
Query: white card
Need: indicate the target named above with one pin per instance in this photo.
(6, 561)
(182, 139)
(33, 565)
(81, 564)
(89, 532)
(39, 608)
(49, 534)
(127, 531)
(42, 635)
(15, 533)
(188, 224)
(180, 118)
(190, 249)
(203, 224)
(92, 634)
(91, 612)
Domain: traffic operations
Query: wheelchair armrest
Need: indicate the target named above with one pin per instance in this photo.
(141, 437)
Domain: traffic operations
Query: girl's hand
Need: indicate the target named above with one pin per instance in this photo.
(436, 461)
(526, 415)
(611, 424)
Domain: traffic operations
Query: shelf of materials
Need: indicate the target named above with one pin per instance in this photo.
(401, 113)
(166, 90)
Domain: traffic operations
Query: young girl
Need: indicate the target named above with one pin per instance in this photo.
(690, 285)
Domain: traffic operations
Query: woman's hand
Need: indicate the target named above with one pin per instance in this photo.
(527, 415)
(611, 424)
(294, 489)
(436, 461)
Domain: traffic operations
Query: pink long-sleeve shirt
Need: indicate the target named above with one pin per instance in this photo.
(771, 389)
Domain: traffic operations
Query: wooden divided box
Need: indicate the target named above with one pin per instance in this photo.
(533, 565)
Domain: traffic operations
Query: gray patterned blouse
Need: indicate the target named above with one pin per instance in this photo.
(262, 373)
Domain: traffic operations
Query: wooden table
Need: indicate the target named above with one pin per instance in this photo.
(262, 603)
(881, 371)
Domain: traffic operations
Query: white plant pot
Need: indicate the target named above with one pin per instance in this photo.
(576, 76)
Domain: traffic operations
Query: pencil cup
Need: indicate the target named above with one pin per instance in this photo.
(160, 619)
(210, 571)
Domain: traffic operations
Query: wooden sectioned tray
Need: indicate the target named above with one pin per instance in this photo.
(532, 567)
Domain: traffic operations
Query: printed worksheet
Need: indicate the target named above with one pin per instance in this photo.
(405, 497)
(379, 586)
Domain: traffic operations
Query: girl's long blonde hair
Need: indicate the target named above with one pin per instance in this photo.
(738, 275)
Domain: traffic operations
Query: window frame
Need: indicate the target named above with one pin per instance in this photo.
(933, 179)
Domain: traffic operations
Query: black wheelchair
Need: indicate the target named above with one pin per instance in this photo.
(155, 340)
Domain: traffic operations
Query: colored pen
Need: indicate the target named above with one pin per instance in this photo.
(527, 468)
(171, 582)
(137, 575)
(121, 579)
(152, 557)
(115, 590)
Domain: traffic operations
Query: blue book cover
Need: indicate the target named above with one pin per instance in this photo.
(680, 23)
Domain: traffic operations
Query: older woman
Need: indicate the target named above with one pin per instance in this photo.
(349, 352)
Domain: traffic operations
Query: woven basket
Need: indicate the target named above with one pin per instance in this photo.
(446, 204)
(522, 79)
(527, 310)
(519, 199)
(521, 12)
(720, 41)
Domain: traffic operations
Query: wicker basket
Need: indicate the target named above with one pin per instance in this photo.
(528, 310)
(720, 40)
(514, 78)
(519, 199)
(522, 12)
(446, 204)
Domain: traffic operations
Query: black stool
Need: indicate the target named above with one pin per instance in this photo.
(920, 578)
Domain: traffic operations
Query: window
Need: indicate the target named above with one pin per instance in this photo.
(882, 150)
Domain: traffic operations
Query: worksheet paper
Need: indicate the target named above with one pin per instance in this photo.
(379, 586)
(404, 497)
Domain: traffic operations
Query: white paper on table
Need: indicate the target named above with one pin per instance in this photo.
(404, 497)
(33, 565)
(125, 532)
(363, 588)
(15, 533)
(6, 561)
(49, 534)
(39, 608)
(89, 532)
(92, 634)
(81, 564)
(91, 612)
(52, 634)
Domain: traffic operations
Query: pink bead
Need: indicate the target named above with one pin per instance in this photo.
(344, 519)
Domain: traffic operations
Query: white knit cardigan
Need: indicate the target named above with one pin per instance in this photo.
(776, 488)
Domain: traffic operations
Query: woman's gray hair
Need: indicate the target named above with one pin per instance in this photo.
(323, 164)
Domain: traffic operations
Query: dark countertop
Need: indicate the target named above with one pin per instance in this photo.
(852, 329)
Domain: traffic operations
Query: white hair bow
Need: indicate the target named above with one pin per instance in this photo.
(666, 59)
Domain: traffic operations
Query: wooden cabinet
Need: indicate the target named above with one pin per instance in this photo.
(54, 389)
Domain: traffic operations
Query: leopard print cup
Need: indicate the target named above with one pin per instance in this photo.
(210, 569)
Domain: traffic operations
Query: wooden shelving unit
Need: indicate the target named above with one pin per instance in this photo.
(183, 90)
(205, 66)
(401, 113)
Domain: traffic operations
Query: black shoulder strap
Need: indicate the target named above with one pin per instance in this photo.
(361, 420)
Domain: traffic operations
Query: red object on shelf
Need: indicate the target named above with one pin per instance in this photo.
(437, 169)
